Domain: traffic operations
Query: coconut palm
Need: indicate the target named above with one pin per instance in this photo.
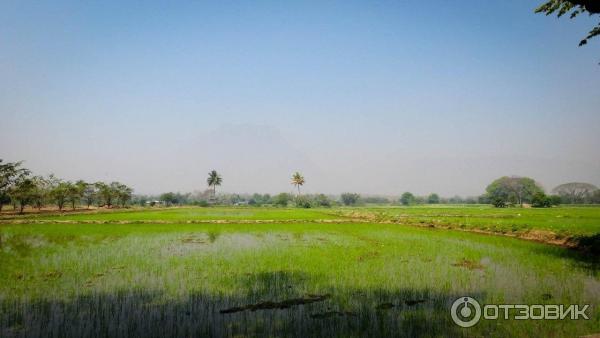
(297, 180)
(213, 180)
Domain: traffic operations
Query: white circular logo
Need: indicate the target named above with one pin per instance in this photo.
(465, 311)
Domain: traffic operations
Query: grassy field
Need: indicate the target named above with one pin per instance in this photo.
(300, 277)
(563, 225)
(185, 214)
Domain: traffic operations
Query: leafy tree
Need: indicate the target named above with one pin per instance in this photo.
(105, 193)
(349, 198)
(298, 181)
(122, 192)
(213, 180)
(574, 7)
(282, 199)
(554, 199)
(258, 199)
(512, 190)
(540, 200)
(575, 192)
(10, 173)
(60, 193)
(433, 199)
(89, 192)
(74, 193)
(407, 198)
(22, 192)
(168, 198)
(41, 193)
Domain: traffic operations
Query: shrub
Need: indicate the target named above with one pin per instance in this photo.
(350, 198)
(498, 202)
(322, 201)
(407, 198)
(303, 202)
(282, 199)
(433, 199)
(540, 200)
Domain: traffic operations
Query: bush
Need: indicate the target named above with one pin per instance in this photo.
(498, 202)
(433, 199)
(540, 200)
(322, 201)
(407, 198)
(282, 199)
(303, 202)
(375, 200)
(554, 199)
(350, 198)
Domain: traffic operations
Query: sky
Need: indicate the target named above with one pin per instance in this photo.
(374, 97)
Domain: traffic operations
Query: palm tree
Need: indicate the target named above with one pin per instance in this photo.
(297, 180)
(213, 180)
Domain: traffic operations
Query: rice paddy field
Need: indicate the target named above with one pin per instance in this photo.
(276, 272)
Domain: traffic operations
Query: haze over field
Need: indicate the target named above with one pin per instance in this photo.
(368, 97)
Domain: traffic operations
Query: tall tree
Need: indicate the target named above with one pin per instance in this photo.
(213, 180)
(74, 193)
(41, 193)
(88, 192)
(22, 192)
(516, 190)
(10, 173)
(575, 192)
(60, 193)
(298, 181)
(123, 194)
(105, 194)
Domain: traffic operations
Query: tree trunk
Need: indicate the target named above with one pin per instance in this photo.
(21, 207)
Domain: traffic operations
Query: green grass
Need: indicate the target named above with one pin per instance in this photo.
(73, 280)
(188, 213)
(569, 221)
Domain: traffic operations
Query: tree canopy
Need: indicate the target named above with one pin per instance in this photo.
(512, 190)
(575, 192)
(574, 7)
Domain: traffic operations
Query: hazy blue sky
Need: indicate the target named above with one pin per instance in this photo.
(364, 96)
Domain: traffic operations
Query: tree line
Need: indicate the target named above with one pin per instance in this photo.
(20, 188)
(516, 191)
